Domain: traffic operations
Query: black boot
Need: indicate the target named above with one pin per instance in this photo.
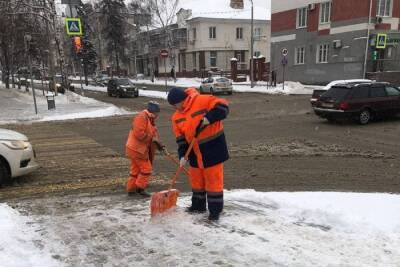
(213, 216)
(191, 209)
(143, 192)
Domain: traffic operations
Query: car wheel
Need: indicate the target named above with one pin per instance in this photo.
(109, 94)
(211, 91)
(230, 93)
(364, 117)
(136, 94)
(201, 90)
(331, 120)
(5, 176)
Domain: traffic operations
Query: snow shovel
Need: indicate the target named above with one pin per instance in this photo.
(165, 200)
(173, 159)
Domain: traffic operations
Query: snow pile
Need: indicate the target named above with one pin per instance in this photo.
(291, 88)
(221, 9)
(333, 83)
(20, 245)
(17, 106)
(256, 229)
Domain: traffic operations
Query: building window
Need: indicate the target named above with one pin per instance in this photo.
(299, 55)
(383, 8)
(194, 34)
(257, 34)
(325, 13)
(212, 32)
(213, 58)
(239, 33)
(322, 53)
(302, 17)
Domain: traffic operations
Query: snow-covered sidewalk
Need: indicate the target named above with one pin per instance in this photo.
(291, 88)
(16, 106)
(256, 229)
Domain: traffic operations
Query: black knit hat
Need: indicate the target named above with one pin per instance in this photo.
(153, 107)
(176, 95)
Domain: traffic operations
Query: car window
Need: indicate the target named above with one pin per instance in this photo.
(378, 91)
(222, 80)
(337, 93)
(360, 93)
(124, 82)
(391, 91)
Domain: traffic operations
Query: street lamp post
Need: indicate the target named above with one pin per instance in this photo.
(252, 46)
(238, 4)
(28, 39)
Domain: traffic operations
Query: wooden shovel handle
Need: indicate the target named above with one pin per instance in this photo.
(173, 159)
(179, 170)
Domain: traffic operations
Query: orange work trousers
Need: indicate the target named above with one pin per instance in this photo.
(210, 179)
(208, 185)
(139, 174)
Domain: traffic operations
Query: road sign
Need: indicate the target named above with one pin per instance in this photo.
(285, 52)
(381, 41)
(164, 53)
(284, 61)
(74, 26)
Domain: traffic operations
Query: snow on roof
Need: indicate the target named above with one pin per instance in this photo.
(221, 9)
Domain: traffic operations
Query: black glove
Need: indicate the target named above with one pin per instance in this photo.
(159, 145)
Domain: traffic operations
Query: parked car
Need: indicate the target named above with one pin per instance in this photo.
(213, 85)
(318, 92)
(62, 87)
(101, 80)
(122, 87)
(17, 156)
(360, 101)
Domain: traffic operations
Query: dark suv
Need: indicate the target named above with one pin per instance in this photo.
(121, 87)
(359, 101)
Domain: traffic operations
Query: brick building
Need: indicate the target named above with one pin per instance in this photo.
(327, 40)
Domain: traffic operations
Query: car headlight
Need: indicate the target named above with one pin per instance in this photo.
(16, 145)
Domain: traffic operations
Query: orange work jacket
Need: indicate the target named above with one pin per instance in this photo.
(210, 148)
(140, 136)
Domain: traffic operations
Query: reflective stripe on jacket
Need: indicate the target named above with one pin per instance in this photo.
(140, 136)
(211, 147)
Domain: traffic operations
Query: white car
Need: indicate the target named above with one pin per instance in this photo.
(17, 156)
(213, 85)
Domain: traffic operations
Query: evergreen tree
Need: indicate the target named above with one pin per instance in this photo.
(88, 55)
(114, 27)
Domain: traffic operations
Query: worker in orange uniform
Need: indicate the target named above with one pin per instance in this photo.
(201, 114)
(140, 148)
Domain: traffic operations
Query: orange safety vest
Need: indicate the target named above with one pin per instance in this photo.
(140, 136)
(210, 148)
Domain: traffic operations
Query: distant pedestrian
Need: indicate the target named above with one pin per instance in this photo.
(142, 142)
(273, 78)
(173, 74)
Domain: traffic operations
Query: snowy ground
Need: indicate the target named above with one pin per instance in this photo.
(256, 229)
(17, 106)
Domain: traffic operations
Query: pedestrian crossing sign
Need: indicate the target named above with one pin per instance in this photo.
(74, 26)
(381, 41)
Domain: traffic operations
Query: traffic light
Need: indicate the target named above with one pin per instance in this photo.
(375, 55)
(77, 44)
